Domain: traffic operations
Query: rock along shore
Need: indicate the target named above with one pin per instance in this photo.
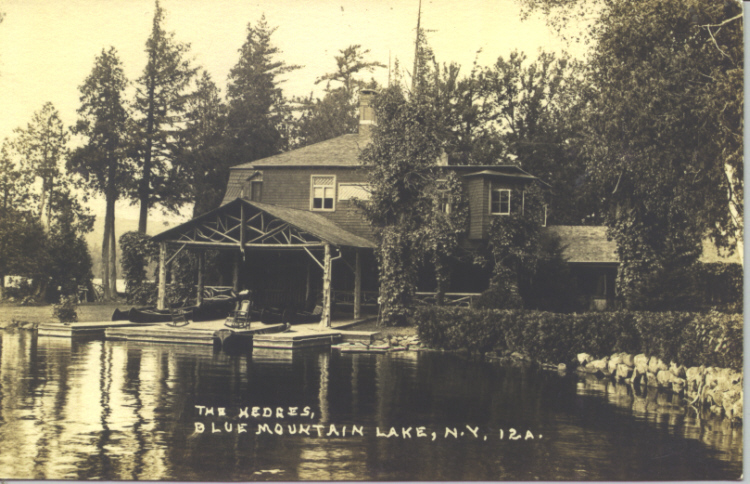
(718, 390)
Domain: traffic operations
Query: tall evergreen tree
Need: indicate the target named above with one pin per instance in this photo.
(258, 112)
(160, 103)
(203, 147)
(336, 113)
(103, 162)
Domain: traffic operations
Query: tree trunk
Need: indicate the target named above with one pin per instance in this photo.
(42, 204)
(106, 292)
(2, 286)
(113, 255)
(144, 188)
(734, 211)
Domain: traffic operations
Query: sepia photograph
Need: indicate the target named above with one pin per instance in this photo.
(371, 240)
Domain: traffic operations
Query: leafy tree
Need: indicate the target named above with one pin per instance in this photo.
(663, 139)
(69, 262)
(42, 146)
(402, 170)
(137, 252)
(258, 112)
(21, 234)
(445, 224)
(336, 113)
(538, 108)
(103, 162)
(40, 150)
(160, 102)
(202, 145)
(515, 249)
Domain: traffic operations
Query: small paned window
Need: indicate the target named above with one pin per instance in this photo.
(323, 192)
(500, 201)
(443, 197)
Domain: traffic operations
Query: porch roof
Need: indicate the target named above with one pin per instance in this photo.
(265, 226)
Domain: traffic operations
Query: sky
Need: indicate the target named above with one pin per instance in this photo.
(47, 47)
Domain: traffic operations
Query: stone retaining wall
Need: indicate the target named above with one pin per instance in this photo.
(717, 389)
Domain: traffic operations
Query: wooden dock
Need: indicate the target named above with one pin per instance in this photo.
(257, 335)
(201, 333)
(90, 329)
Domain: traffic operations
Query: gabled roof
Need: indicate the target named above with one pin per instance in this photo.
(220, 228)
(340, 151)
(315, 224)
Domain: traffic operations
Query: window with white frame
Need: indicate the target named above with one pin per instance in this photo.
(354, 191)
(323, 192)
(500, 201)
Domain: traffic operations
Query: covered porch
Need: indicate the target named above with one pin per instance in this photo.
(266, 244)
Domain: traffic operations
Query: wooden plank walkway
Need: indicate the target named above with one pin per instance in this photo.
(92, 329)
(201, 333)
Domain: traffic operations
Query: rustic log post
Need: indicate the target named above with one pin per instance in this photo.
(201, 268)
(357, 284)
(308, 282)
(161, 302)
(236, 273)
(325, 320)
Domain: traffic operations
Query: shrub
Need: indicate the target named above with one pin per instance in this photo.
(692, 339)
(137, 251)
(67, 310)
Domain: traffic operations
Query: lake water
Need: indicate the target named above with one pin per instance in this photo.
(126, 411)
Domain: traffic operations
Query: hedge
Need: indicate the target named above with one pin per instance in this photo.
(691, 339)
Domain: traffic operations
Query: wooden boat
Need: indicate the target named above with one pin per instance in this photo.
(210, 309)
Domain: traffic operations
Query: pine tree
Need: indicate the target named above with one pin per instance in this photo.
(336, 113)
(103, 162)
(258, 112)
(203, 147)
(160, 103)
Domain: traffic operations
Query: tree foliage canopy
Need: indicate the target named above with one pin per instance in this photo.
(103, 162)
(258, 109)
(663, 131)
(161, 97)
(336, 113)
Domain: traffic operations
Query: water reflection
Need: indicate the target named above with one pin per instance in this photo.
(127, 411)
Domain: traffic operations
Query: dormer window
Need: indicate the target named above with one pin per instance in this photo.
(252, 189)
(323, 192)
(500, 201)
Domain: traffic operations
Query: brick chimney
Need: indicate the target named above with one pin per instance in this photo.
(366, 111)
